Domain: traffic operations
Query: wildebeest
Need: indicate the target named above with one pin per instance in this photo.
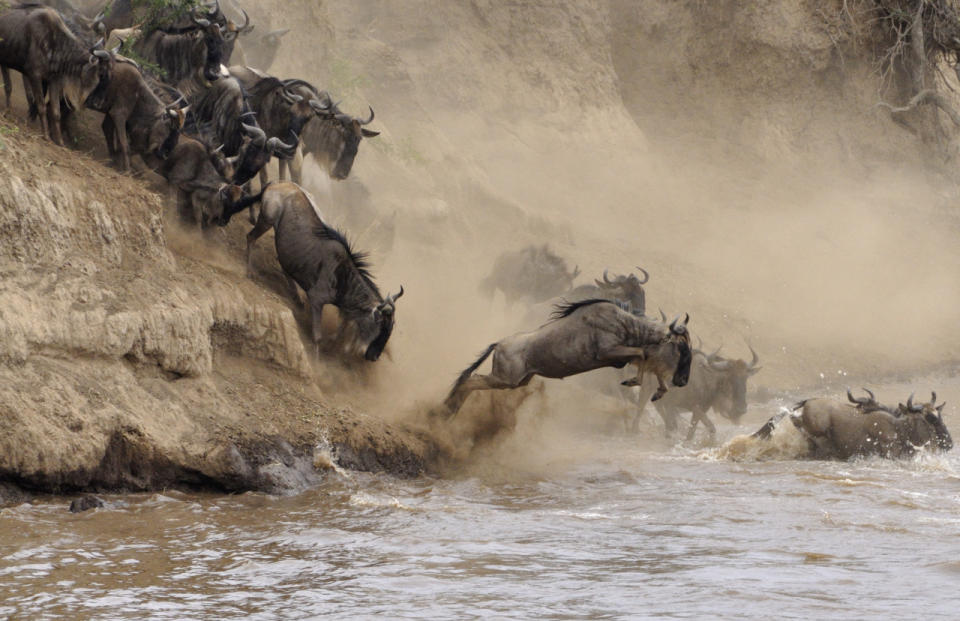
(224, 117)
(333, 138)
(533, 273)
(260, 50)
(582, 336)
(627, 288)
(192, 55)
(201, 176)
(716, 383)
(35, 41)
(283, 107)
(319, 259)
(839, 430)
(134, 117)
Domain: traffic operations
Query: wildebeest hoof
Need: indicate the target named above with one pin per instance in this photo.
(630, 382)
(85, 504)
(656, 396)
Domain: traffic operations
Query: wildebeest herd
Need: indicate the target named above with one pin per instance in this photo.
(162, 74)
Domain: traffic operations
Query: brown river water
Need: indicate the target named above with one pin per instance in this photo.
(608, 527)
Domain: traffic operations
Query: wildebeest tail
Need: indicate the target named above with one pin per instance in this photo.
(240, 205)
(473, 367)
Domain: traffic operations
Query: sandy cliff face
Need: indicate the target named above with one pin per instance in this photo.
(123, 365)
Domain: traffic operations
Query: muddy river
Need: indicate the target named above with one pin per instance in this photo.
(607, 527)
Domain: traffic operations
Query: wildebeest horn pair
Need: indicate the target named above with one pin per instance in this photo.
(387, 306)
(682, 328)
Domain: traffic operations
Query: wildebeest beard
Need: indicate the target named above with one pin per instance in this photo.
(682, 374)
(377, 345)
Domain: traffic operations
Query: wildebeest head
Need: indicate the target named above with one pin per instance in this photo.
(165, 131)
(210, 54)
(230, 33)
(732, 375)
(628, 288)
(675, 351)
(375, 328)
(256, 151)
(334, 137)
(221, 202)
(925, 424)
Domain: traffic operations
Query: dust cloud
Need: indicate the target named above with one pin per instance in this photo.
(755, 182)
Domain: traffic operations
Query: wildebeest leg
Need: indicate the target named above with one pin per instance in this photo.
(109, 135)
(697, 416)
(481, 382)
(262, 226)
(7, 86)
(120, 125)
(184, 206)
(53, 111)
(294, 290)
(36, 87)
(296, 167)
(318, 296)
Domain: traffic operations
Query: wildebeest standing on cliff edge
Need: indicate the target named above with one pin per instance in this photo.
(35, 41)
(583, 336)
(318, 258)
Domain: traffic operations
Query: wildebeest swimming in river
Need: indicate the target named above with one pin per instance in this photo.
(318, 258)
(582, 336)
(841, 430)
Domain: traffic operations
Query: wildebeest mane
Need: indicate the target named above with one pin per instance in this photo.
(360, 260)
(565, 308)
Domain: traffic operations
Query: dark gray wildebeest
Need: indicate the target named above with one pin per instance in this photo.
(716, 383)
(35, 41)
(318, 258)
(283, 107)
(222, 116)
(839, 430)
(534, 273)
(332, 138)
(582, 336)
(200, 176)
(135, 119)
(187, 59)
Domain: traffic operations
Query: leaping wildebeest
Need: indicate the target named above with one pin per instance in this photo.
(582, 336)
(839, 430)
(319, 259)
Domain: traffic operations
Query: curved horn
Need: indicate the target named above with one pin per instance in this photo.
(246, 22)
(756, 359)
(606, 278)
(101, 54)
(399, 294)
(850, 398)
(275, 144)
(646, 275)
(216, 9)
(663, 316)
(933, 399)
(869, 392)
(258, 135)
(98, 45)
(910, 406)
(218, 149)
(369, 120)
(318, 107)
(203, 23)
